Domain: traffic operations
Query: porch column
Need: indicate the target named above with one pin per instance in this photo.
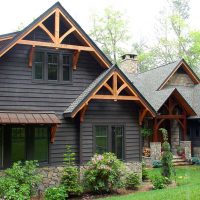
(155, 131)
(184, 127)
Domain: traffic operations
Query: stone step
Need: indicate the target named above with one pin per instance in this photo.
(176, 157)
(178, 160)
(181, 163)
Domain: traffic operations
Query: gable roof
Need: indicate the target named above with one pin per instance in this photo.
(149, 82)
(94, 85)
(4, 47)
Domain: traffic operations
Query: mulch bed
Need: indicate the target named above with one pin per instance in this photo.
(144, 187)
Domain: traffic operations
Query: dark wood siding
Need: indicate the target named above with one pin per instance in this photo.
(19, 92)
(194, 132)
(113, 113)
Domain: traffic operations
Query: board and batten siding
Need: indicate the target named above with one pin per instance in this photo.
(19, 92)
(108, 112)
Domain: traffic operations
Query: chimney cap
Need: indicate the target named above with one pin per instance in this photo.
(129, 55)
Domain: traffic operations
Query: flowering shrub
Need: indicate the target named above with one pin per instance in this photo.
(159, 182)
(103, 173)
(55, 193)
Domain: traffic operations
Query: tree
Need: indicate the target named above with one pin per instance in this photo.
(110, 31)
(174, 39)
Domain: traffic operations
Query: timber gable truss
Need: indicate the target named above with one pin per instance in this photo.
(58, 26)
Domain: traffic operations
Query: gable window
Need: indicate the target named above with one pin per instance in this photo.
(24, 143)
(109, 138)
(52, 66)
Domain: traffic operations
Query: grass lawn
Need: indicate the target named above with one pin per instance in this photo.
(188, 181)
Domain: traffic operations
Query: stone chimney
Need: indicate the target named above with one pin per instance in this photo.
(129, 64)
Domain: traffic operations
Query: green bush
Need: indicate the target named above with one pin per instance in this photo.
(145, 175)
(195, 160)
(55, 193)
(103, 173)
(156, 164)
(132, 181)
(167, 156)
(159, 182)
(20, 181)
(70, 176)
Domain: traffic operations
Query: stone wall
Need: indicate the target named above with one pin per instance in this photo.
(155, 150)
(135, 167)
(186, 145)
(175, 136)
(51, 176)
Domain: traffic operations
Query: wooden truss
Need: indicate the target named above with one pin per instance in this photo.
(57, 39)
(114, 88)
(170, 114)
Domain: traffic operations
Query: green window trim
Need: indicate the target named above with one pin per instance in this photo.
(52, 66)
(24, 143)
(110, 138)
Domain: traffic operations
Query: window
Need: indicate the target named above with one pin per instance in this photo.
(17, 144)
(101, 139)
(39, 66)
(54, 67)
(110, 139)
(41, 143)
(24, 143)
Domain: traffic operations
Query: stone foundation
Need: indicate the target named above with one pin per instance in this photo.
(196, 152)
(147, 161)
(51, 176)
(135, 167)
(155, 150)
(186, 145)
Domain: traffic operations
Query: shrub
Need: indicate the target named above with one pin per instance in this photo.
(103, 173)
(159, 182)
(167, 156)
(156, 164)
(55, 193)
(70, 176)
(195, 160)
(144, 172)
(20, 181)
(132, 181)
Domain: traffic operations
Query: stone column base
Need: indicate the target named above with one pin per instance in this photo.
(186, 145)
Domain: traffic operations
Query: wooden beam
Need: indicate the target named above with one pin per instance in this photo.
(53, 45)
(115, 85)
(66, 34)
(57, 26)
(75, 59)
(155, 131)
(111, 97)
(31, 55)
(121, 88)
(142, 114)
(6, 38)
(108, 88)
(170, 116)
(47, 32)
(82, 113)
(53, 132)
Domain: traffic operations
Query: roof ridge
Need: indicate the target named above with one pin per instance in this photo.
(159, 66)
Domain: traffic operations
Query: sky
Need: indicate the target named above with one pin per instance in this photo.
(141, 14)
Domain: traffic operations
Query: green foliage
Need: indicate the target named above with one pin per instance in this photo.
(70, 176)
(55, 193)
(167, 156)
(132, 181)
(195, 160)
(103, 173)
(159, 182)
(146, 132)
(156, 164)
(110, 31)
(145, 175)
(20, 181)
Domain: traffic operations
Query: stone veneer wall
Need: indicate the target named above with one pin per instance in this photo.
(186, 145)
(155, 150)
(175, 136)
